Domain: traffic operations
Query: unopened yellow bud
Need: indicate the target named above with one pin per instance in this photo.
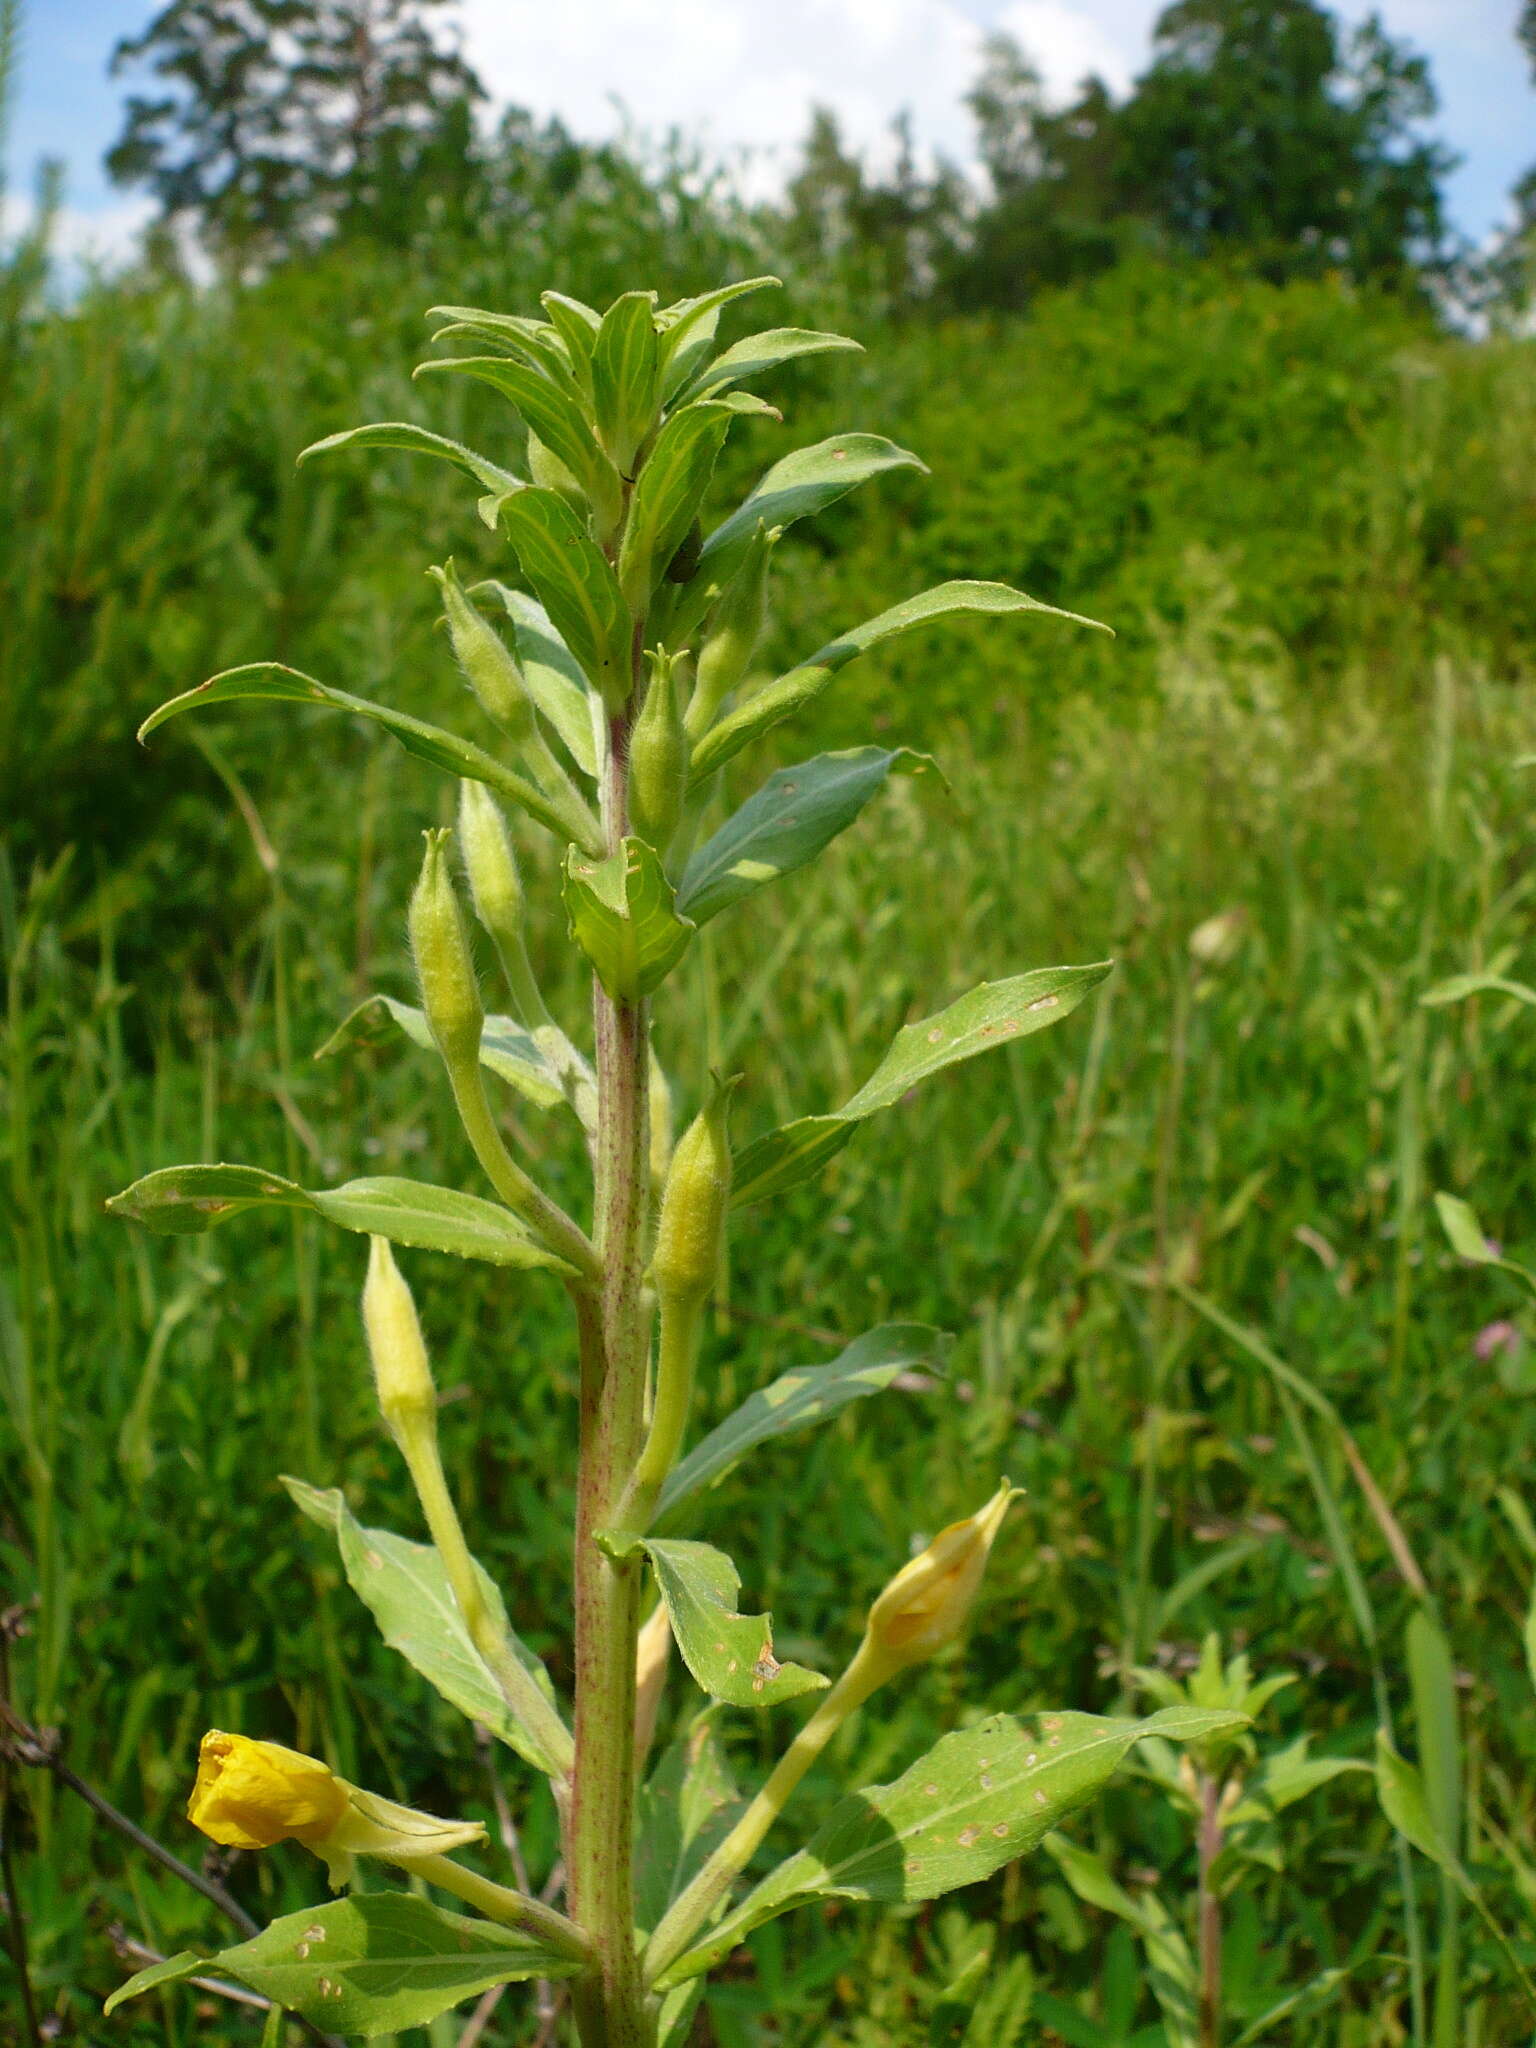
(488, 663)
(732, 632)
(445, 970)
(925, 1606)
(251, 1795)
(690, 1235)
(653, 1651)
(402, 1373)
(658, 758)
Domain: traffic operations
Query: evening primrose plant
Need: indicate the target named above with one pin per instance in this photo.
(619, 680)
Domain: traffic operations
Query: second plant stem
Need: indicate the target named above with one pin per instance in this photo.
(610, 2005)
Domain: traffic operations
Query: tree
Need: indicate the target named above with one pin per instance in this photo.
(282, 122)
(1255, 127)
(1054, 202)
(892, 237)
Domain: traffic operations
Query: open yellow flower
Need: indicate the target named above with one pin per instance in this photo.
(250, 1795)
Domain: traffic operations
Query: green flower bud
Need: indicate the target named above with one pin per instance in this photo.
(445, 972)
(488, 663)
(495, 886)
(658, 758)
(690, 1236)
(732, 631)
(402, 1376)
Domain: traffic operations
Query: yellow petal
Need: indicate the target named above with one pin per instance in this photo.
(251, 1794)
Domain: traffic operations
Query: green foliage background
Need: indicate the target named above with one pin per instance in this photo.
(1308, 515)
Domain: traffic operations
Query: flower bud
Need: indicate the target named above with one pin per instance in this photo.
(734, 627)
(402, 1374)
(653, 1651)
(251, 1795)
(495, 886)
(450, 995)
(488, 663)
(658, 758)
(690, 1235)
(925, 1606)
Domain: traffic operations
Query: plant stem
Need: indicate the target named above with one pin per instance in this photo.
(692, 1908)
(1209, 1848)
(500, 1903)
(611, 2008)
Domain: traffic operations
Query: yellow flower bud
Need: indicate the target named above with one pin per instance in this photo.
(925, 1606)
(401, 1371)
(488, 663)
(690, 1235)
(653, 1651)
(250, 1795)
(658, 758)
(732, 632)
(445, 970)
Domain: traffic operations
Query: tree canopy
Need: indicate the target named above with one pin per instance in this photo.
(279, 121)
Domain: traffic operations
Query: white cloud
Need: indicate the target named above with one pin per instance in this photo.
(1068, 42)
(726, 74)
(104, 238)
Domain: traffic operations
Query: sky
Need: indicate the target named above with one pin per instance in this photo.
(741, 76)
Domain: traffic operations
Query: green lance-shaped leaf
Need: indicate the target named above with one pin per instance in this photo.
(1459, 1221)
(667, 496)
(796, 813)
(496, 482)
(552, 675)
(405, 1588)
(799, 485)
(534, 342)
(688, 1804)
(799, 1399)
(1460, 986)
(977, 1800)
(730, 1654)
(992, 1014)
(625, 375)
(623, 917)
(183, 1200)
(555, 415)
(430, 743)
(372, 1964)
(759, 353)
(679, 321)
(509, 1051)
(687, 331)
(576, 323)
(792, 692)
(1171, 1968)
(576, 586)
